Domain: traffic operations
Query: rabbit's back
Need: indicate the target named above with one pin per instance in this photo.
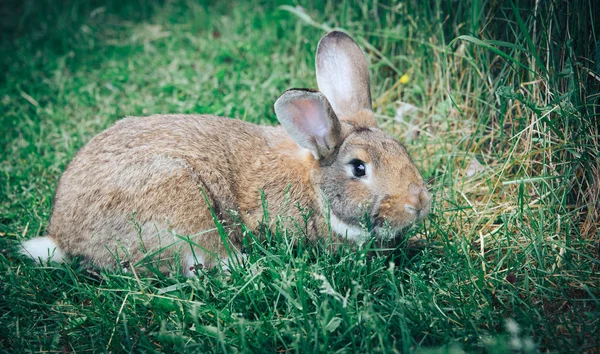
(145, 177)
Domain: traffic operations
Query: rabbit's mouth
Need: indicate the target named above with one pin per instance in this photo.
(388, 233)
(393, 215)
(383, 228)
(374, 225)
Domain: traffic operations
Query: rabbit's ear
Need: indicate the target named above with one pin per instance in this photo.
(343, 74)
(308, 118)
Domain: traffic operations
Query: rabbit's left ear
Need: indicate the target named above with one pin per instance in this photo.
(343, 74)
(308, 118)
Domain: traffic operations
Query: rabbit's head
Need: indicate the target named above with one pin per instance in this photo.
(365, 175)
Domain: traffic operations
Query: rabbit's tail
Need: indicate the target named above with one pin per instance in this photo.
(42, 249)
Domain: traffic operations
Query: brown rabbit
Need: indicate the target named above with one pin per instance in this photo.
(139, 184)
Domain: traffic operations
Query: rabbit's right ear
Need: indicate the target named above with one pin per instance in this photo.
(343, 75)
(308, 118)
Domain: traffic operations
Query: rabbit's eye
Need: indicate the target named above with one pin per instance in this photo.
(358, 168)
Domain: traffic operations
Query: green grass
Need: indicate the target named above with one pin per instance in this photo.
(511, 258)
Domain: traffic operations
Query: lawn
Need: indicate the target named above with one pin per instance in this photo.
(497, 102)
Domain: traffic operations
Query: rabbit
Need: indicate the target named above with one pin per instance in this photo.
(329, 168)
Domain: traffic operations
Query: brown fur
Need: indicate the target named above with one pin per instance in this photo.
(135, 186)
(157, 167)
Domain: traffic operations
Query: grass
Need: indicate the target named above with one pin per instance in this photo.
(504, 127)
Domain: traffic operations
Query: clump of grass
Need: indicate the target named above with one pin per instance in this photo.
(500, 106)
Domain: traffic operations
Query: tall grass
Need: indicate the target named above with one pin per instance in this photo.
(497, 101)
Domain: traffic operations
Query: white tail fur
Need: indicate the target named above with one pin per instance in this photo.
(42, 249)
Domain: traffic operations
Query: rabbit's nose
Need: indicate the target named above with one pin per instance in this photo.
(418, 201)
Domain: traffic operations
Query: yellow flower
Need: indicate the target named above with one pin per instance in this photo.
(404, 79)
